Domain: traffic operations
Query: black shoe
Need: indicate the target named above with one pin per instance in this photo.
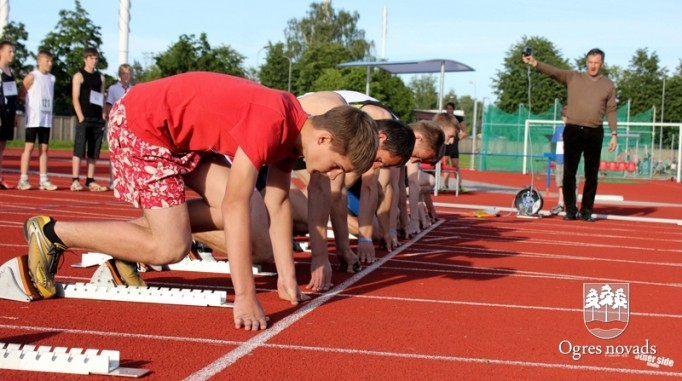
(586, 215)
(570, 216)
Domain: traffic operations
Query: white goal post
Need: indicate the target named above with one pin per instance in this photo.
(624, 129)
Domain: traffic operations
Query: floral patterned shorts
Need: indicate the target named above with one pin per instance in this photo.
(145, 175)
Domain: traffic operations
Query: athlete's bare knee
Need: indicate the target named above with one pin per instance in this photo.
(164, 253)
(259, 258)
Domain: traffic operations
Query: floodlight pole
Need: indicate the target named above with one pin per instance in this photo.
(258, 60)
(289, 81)
(288, 58)
(4, 14)
(663, 100)
(123, 31)
(473, 130)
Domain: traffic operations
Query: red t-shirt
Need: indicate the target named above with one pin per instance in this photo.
(210, 112)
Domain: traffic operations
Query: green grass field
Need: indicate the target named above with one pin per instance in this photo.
(464, 160)
(54, 144)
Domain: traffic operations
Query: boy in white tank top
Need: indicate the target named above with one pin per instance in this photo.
(38, 96)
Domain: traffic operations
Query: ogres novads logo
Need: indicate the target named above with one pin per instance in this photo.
(606, 310)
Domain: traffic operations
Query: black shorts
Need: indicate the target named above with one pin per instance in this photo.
(262, 179)
(452, 150)
(42, 133)
(89, 134)
(300, 164)
(7, 128)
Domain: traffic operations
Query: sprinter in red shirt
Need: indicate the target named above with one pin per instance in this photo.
(211, 133)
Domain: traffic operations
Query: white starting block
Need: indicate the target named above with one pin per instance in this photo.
(204, 265)
(159, 295)
(92, 259)
(64, 360)
(15, 284)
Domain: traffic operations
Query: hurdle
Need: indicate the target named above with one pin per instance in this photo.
(15, 284)
(25, 357)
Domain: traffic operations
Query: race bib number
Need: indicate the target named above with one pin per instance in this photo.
(9, 88)
(559, 148)
(96, 98)
(46, 105)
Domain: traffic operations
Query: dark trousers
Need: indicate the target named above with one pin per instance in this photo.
(89, 135)
(581, 141)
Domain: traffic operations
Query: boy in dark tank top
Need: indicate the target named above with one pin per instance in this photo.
(88, 101)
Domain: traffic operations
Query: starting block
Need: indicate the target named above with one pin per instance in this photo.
(205, 265)
(64, 360)
(15, 284)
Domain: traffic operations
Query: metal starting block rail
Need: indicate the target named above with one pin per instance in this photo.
(15, 284)
(192, 265)
(26, 357)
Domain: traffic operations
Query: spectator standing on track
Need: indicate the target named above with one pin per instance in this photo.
(88, 102)
(116, 92)
(591, 96)
(163, 138)
(558, 140)
(120, 88)
(38, 96)
(8, 101)
(451, 157)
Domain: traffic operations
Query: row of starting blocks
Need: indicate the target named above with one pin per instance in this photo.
(15, 284)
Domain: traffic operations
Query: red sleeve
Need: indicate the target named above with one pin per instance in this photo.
(260, 133)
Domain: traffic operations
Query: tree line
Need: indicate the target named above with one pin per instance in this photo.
(312, 46)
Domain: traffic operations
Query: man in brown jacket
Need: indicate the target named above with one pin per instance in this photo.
(591, 96)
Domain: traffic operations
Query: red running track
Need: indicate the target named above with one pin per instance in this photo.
(495, 298)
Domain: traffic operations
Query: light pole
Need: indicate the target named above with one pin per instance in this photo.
(288, 59)
(289, 81)
(663, 100)
(258, 60)
(473, 130)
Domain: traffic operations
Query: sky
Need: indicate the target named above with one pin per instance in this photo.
(478, 33)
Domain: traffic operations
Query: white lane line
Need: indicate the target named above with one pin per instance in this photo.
(467, 250)
(499, 305)
(260, 339)
(422, 300)
(486, 361)
(500, 272)
(554, 242)
(420, 253)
